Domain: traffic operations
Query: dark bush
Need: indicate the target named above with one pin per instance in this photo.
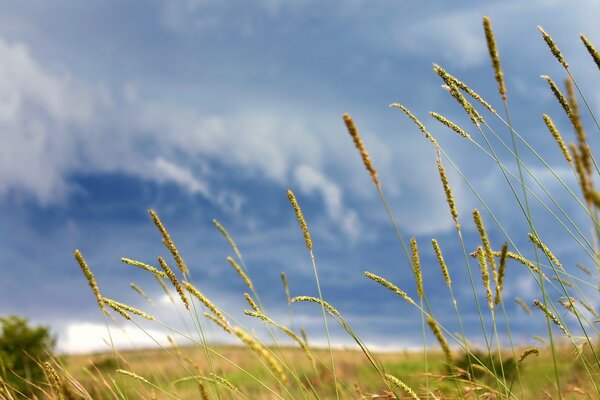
(476, 368)
(22, 348)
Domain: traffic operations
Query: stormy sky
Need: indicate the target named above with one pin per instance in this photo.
(203, 109)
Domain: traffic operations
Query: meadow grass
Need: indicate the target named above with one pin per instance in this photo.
(565, 364)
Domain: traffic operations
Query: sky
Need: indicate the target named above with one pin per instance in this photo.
(203, 109)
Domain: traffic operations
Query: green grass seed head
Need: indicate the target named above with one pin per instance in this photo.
(286, 287)
(169, 243)
(251, 302)
(204, 300)
(536, 240)
(416, 265)
(523, 305)
(55, 381)
(441, 261)
(553, 47)
(240, 272)
(494, 56)
(228, 237)
(590, 48)
(556, 134)
(171, 275)
(401, 385)
(550, 316)
(115, 305)
(447, 191)
(526, 353)
(387, 284)
(300, 218)
(419, 124)
(437, 332)
(90, 278)
(485, 277)
(328, 307)
(450, 124)
(224, 325)
(501, 273)
(145, 266)
(560, 97)
(485, 241)
(361, 148)
(133, 375)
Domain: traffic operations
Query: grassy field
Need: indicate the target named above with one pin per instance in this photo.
(96, 372)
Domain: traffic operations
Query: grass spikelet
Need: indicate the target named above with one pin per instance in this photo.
(139, 291)
(585, 269)
(163, 285)
(115, 305)
(416, 264)
(203, 392)
(441, 262)
(143, 266)
(300, 217)
(286, 287)
(450, 124)
(303, 344)
(584, 182)
(251, 302)
(133, 375)
(328, 307)
(171, 275)
(485, 241)
(590, 309)
(536, 240)
(563, 282)
(452, 80)
(224, 382)
(529, 264)
(551, 316)
(527, 353)
(241, 272)
(387, 284)
(560, 97)
(568, 303)
(556, 134)
(218, 321)
(169, 243)
(590, 48)
(262, 352)
(553, 47)
(485, 277)
(361, 148)
(304, 335)
(90, 278)
(501, 273)
(413, 118)
(117, 309)
(586, 155)
(55, 381)
(228, 237)
(453, 85)
(433, 325)
(494, 56)
(523, 305)
(447, 191)
(401, 385)
(204, 300)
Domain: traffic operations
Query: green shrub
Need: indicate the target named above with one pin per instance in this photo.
(22, 349)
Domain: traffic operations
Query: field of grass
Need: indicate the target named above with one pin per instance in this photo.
(353, 368)
(565, 365)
